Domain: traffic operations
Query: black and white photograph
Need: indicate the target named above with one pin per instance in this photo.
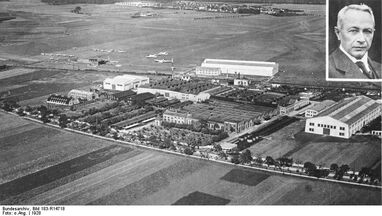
(113, 104)
(354, 40)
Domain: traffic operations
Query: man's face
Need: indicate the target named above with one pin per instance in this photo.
(356, 32)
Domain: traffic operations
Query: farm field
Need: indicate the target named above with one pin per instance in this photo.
(85, 170)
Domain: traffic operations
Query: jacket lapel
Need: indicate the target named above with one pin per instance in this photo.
(346, 66)
(375, 67)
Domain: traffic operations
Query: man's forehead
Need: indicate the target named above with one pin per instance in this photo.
(358, 18)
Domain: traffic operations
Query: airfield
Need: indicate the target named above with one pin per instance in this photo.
(63, 168)
(296, 42)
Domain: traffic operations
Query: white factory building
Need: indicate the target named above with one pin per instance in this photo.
(344, 118)
(252, 68)
(124, 82)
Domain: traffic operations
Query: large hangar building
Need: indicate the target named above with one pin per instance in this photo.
(344, 118)
(252, 68)
(124, 82)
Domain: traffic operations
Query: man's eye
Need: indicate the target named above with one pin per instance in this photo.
(368, 31)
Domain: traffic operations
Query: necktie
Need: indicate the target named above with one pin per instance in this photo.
(362, 66)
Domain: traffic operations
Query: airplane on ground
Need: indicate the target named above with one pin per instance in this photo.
(164, 60)
(162, 53)
(152, 56)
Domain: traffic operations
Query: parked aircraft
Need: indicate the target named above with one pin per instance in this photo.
(164, 60)
(162, 53)
(152, 56)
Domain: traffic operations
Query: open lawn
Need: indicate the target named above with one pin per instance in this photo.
(278, 143)
(357, 152)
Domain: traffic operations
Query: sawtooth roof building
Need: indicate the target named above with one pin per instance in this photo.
(179, 89)
(251, 68)
(344, 118)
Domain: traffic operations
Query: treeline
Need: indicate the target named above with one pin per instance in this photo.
(64, 2)
(262, 1)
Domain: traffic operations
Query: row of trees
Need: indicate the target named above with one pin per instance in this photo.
(200, 127)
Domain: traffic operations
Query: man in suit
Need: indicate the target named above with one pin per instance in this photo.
(355, 31)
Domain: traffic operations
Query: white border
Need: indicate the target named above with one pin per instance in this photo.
(327, 55)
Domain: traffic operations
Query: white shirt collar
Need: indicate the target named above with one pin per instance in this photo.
(354, 60)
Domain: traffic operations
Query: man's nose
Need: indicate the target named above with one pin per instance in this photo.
(361, 38)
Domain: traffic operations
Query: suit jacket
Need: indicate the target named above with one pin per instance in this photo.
(340, 66)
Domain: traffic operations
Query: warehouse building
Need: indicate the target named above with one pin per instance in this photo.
(287, 105)
(124, 82)
(317, 108)
(59, 100)
(208, 71)
(252, 68)
(178, 117)
(82, 94)
(241, 82)
(344, 118)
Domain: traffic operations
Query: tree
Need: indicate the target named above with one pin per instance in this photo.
(334, 167)
(344, 168)
(269, 160)
(235, 160)
(217, 148)
(43, 110)
(309, 167)
(166, 143)
(20, 112)
(284, 161)
(245, 157)
(44, 119)
(188, 151)
(28, 109)
(153, 139)
(222, 155)
(365, 171)
(62, 121)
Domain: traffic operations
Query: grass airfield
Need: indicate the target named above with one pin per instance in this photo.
(296, 43)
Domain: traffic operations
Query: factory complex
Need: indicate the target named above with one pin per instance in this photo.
(344, 118)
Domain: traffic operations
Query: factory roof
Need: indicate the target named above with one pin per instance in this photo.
(322, 105)
(220, 111)
(177, 85)
(240, 63)
(126, 78)
(77, 91)
(350, 110)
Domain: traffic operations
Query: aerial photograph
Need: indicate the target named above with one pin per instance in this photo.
(206, 102)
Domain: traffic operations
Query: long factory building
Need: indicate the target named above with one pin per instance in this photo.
(251, 68)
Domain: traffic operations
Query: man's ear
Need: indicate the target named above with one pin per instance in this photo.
(337, 31)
